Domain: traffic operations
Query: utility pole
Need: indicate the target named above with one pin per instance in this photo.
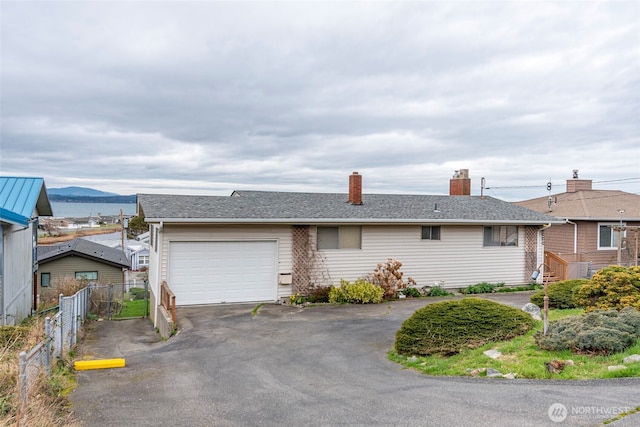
(621, 211)
(122, 232)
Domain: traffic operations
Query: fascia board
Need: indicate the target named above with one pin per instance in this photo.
(344, 221)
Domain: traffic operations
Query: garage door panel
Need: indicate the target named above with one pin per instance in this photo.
(214, 272)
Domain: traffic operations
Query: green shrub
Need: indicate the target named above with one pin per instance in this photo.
(481, 288)
(319, 294)
(358, 292)
(451, 326)
(531, 287)
(138, 293)
(596, 332)
(438, 291)
(560, 294)
(411, 292)
(613, 287)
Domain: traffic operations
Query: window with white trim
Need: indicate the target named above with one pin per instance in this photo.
(501, 235)
(607, 236)
(339, 237)
(86, 275)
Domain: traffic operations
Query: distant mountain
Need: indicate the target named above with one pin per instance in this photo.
(79, 191)
(86, 195)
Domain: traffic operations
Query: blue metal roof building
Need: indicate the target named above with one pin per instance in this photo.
(20, 196)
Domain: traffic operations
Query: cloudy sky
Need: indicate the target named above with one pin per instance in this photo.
(207, 97)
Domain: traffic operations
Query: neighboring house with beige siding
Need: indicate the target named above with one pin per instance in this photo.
(78, 259)
(264, 246)
(594, 221)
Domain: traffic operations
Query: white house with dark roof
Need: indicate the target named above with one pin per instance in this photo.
(263, 246)
(22, 200)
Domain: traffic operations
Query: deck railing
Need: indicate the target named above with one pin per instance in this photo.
(168, 300)
(558, 267)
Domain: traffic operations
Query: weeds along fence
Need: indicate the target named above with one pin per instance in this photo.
(62, 329)
(61, 333)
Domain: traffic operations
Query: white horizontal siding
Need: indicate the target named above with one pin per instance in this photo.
(459, 258)
(281, 233)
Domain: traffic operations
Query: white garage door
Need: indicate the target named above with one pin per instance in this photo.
(216, 272)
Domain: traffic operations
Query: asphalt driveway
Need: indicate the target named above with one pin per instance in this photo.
(318, 366)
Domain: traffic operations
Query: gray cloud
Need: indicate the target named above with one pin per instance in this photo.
(207, 97)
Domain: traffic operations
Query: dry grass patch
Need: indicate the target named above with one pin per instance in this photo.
(47, 404)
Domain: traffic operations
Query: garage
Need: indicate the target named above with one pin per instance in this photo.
(219, 272)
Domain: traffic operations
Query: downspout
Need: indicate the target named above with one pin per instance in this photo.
(575, 238)
(541, 264)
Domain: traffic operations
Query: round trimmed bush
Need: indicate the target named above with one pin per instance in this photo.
(560, 294)
(451, 326)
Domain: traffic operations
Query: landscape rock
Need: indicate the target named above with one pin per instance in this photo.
(494, 354)
(533, 310)
(493, 373)
(631, 359)
(510, 376)
(616, 368)
(569, 362)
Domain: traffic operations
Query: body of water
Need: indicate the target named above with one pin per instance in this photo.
(82, 210)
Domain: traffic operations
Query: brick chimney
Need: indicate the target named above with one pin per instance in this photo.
(575, 184)
(355, 189)
(460, 184)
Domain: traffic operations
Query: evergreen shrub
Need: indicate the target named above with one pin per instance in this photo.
(358, 292)
(449, 327)
(596, 332)
(560, 294)
(613, 287)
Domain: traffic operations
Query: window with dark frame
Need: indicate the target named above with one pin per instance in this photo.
(430, 232)
(501, 235)
(45, 280)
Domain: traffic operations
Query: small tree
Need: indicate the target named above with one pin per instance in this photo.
(137, 226)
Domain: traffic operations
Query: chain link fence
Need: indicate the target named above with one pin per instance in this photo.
(62, 329)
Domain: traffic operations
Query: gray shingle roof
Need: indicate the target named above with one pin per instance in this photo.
(86, 249)
(283, 207)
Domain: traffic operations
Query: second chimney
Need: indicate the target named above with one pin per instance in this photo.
(355, 189)
(460, 184)
(574, 185)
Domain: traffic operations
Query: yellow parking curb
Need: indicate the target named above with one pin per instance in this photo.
(85, 365)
